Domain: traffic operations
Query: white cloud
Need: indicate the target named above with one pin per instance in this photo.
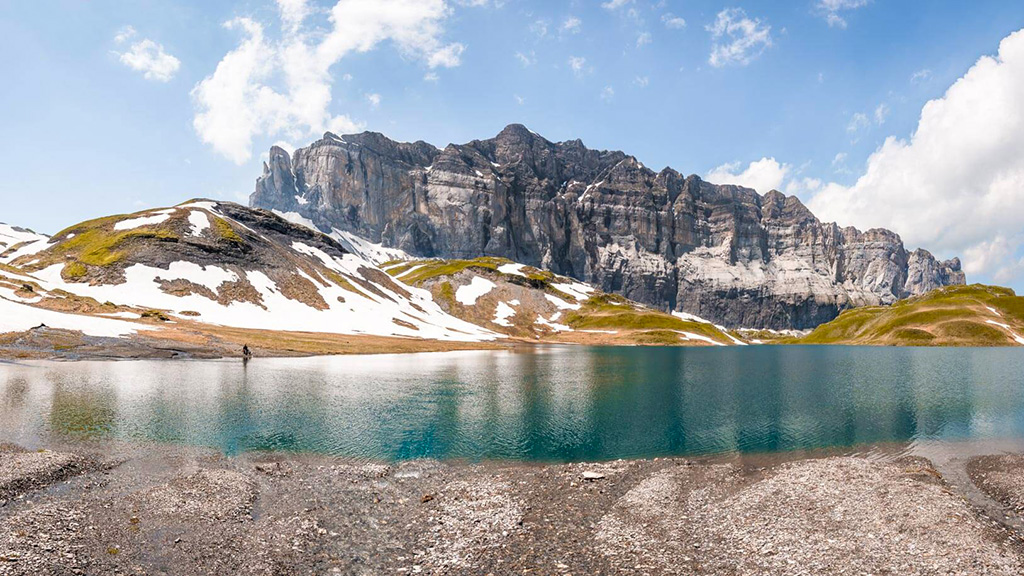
(146, 56)
(374, 99)
(881, 113)
(577, 64)
(519, 99)
(284, 88)
(615, 4)
(642, 81)
(540, 27)
(448, 57)
(572, 25)
(607, 93)
(763, 175)
(125, 34)
(431, 77)
(737, 39)
(293, 12)
(957, 184)
(857, 122)
(674, 22)
(921, 76)
(526, 59)
(830, 10)
(643, 39)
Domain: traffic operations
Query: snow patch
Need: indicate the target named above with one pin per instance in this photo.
(550, 323)
(133, 223)
(561, 304)
(467, 295)
(302, 201)
(701, 337)
(17, 317)
(1016, 337)
(512, 269)
(502, 313)
(577, 290)
(375, 253)
(689, 317)
(199, 222)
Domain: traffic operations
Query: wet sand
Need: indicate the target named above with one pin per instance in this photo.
(112, 508)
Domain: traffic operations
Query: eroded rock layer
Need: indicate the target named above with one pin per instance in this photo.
(724, 253)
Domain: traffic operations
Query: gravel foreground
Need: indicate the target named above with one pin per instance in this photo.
(176, 510)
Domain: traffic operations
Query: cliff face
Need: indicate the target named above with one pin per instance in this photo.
(724, 253)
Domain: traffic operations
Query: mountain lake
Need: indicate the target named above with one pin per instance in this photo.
(548, 404)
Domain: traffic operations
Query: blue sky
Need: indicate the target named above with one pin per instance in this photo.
(101, 99)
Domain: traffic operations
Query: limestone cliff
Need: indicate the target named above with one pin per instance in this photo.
(724, 253)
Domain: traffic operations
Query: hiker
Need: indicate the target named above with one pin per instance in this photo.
(246, 353)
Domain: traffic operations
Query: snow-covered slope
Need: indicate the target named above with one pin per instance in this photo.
(224, 264)
(361, 247)
(16, 242)
(527, 302)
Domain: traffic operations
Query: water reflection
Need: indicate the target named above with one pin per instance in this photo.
(551, 404)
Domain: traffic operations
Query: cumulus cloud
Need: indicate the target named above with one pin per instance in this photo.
(881, 113)
(642, 39)
(267, 87)
(146, 56)
(125, 34)
(374, 100)
(572, 25)
(672, 21)
(526, 59)
(831, 9)
(540, 27)
(615, 4)
(642, 81)
(607, 93)
(920, 76)
(763, 175)
(737, 39)
(578, 65)
(957, 184)
(858, 122)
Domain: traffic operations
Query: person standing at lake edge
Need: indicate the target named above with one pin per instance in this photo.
(246, 353)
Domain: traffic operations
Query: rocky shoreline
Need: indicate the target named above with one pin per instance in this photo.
(112, 508)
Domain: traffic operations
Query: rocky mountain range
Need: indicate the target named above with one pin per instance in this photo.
(675, 242)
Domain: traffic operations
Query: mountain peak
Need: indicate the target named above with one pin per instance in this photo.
(517, 132)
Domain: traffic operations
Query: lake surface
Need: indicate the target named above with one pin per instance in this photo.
(550, 404)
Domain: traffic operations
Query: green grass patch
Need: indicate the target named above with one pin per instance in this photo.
(399, 270)
(225, 231)
(437, 268)
(74, 271)
(341, 281)
(974, 332)
(446, 293)
(657, 338)
(600, 313)
(953, 315)
(97, 244)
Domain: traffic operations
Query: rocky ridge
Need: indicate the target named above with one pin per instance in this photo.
(678, 243)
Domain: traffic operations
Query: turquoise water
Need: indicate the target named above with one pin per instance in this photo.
(552, 404)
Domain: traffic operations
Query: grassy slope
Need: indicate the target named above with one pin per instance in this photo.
(600, 314)
(952, 316)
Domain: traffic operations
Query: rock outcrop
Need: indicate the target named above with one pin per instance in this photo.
(724, 253)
